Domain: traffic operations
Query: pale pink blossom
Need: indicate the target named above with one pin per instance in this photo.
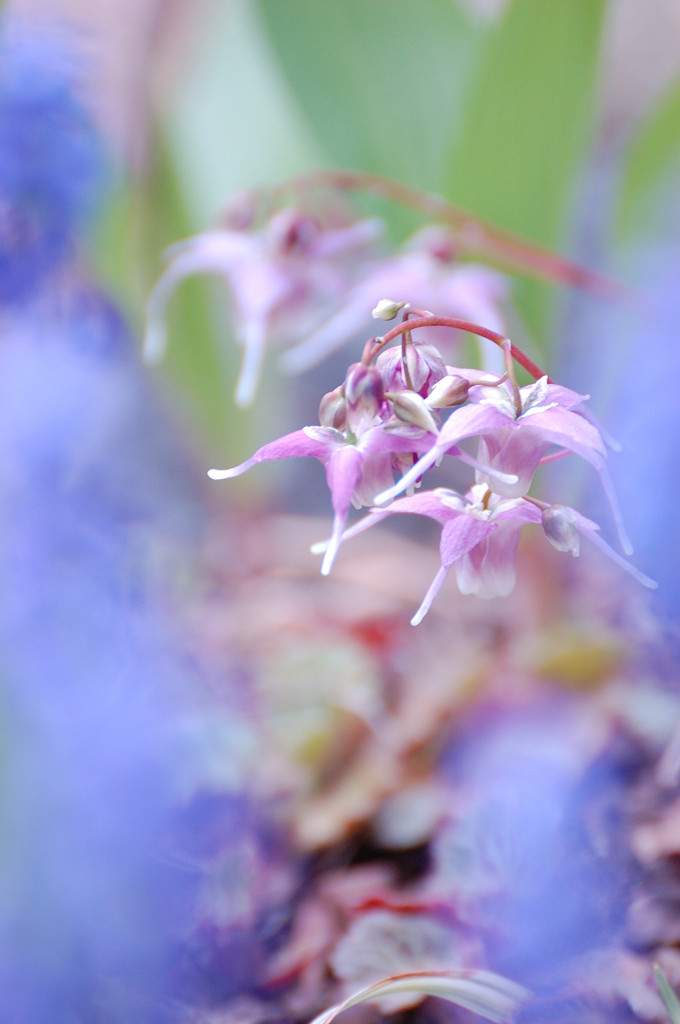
(514, 442)
(282, 280)
(356, 468)
(480, 536)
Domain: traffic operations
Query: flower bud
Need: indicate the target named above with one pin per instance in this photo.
(333, 409)
(291, 231)
(363, 384)
(449, 391)
(559, 526)
(387, 309)
(364, 395)
(424, 364)
(411, 408)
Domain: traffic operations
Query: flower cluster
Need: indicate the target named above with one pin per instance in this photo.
(403, 410)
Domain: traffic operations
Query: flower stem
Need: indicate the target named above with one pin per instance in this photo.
(463, 325)
(476, 236)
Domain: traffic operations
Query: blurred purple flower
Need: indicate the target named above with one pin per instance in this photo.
(425, 275)
(536, 857)
(282, 279)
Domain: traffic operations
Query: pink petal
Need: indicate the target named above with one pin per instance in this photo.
(488, 570)
(432, 592)
(568, 430)
(214, 252)
(343, 471)
(461, 534)
(320, 445)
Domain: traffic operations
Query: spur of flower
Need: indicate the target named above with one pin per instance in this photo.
(282, 279)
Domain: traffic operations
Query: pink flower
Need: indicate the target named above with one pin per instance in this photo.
(512, 443)
(366, 435)
(480, 536)
(425, 275)
(283, 280)
(357, 467)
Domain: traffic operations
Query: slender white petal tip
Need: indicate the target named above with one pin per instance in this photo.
(319, 548)
(154, 345)
(219, 474)
(245, 393)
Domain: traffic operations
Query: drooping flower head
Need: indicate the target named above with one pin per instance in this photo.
(480, 536)
(387, 418)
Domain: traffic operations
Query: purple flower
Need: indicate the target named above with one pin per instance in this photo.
(282, 279)
(480, 535)
(91, 909)
(356, 469)
(425, 275)
(512, 443)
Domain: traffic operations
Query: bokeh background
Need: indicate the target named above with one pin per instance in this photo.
(128, 733)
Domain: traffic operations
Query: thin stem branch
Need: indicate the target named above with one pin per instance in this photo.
(506, 345)
(405, 342)
(462, 325)
(476, 235)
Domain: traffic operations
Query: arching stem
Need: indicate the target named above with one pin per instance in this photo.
(477, 237)
(377, 344)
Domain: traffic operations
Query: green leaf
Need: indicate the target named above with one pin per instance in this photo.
(653, 158)
(383, 84)
(527, 124)
(667, 994)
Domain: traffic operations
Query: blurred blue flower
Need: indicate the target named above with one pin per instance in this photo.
(538, 857)
(89, 902)
(50, 161)
(626, 355)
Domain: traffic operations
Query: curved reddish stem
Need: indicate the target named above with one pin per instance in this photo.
(477, 235)
(465, 325)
